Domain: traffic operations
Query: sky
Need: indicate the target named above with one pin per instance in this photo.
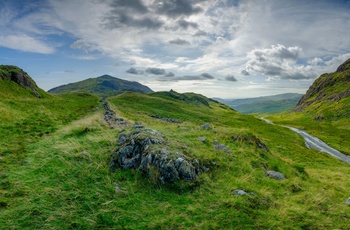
(218, 48)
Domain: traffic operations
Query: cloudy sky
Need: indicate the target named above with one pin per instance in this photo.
(219, 48)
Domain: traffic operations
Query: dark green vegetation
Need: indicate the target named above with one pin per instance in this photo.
(268, 104)
(324, 110)
(55, 156)
(103, 86)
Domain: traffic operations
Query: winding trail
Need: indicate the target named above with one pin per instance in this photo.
(315, 143)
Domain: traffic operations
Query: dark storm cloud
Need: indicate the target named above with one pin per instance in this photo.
(132, 70)
(186, 24)
(131, 13)
(125, 20)
(156, 71)
(176, 8)
(245, 72)
(201, 77)
(200, 33)
(135, 5)
(180, 42)
(207, 76)
(230, 78)
(170, 74)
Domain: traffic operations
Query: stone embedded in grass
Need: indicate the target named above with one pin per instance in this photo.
(275, 175)
(145, 150)
(239, 192)
(220, 147)
(206, 126)
(347, 201)
(202, 139)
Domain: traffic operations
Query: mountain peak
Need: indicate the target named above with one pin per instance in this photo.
(104, 85)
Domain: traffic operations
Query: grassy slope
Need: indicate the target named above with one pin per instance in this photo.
(326, 118)
(64, 181)
(268, 104)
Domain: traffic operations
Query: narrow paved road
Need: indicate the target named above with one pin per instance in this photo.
(315, 143)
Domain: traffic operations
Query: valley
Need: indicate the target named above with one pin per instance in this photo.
(57, 151)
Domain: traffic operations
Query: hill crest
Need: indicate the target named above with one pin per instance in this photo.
(331, 87)
(103, 85)
(10, 74)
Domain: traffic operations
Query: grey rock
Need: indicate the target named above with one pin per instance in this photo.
(144, 150)
(202, 139)
(220, 147)
(275, 175)
(239, 192)
(347, 201)
(206, 126)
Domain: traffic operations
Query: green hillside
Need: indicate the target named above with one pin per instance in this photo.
(104, 85)
(59, 177)
(15, 83)
(268, 104)
(324, 109)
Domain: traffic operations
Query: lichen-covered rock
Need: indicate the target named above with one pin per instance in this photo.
(275, 175)
(145, 150)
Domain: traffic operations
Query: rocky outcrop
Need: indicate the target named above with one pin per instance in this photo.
(330, 87)
(145, 150)
(17, 75)
(275, 175)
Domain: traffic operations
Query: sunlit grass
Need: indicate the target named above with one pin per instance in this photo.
(64, 180)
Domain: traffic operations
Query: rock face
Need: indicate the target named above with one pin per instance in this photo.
(328, 87)
(17, 75)
(144, 150)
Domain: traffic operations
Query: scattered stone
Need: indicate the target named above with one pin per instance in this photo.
(347, 201)
(275, 175)
(206, 126)
(202, 139)
(109, 116)
(84, 152)
(239, 192)
(144, 150)
(252, 140)
(166, 119)
(212, 163)
(220, 147)
(138, 125)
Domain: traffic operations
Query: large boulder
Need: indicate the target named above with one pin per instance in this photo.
(145, 150)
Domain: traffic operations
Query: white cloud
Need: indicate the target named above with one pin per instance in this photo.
(279, 61)
(25, 43)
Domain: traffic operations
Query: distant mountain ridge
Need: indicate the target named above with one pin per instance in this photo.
(103, 85)
(266, 104)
